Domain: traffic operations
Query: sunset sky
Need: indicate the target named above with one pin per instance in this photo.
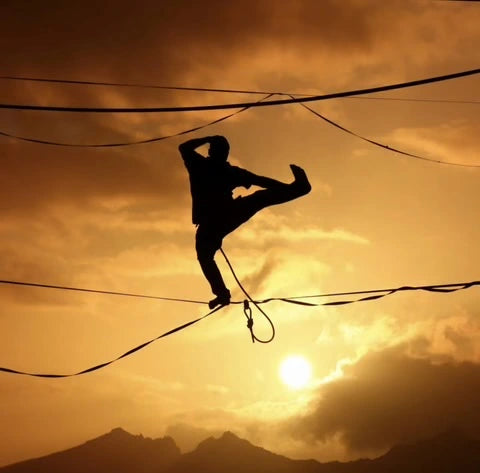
(399, 369)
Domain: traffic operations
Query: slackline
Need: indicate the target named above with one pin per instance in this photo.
(377, 294)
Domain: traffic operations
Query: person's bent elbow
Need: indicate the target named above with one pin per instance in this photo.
(183, 148)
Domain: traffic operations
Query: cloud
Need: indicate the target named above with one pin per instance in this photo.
(452, 141)
(268, 236)
(32, 182)
(250, 44)
(388, 397)
(256, 280)
(269, 229)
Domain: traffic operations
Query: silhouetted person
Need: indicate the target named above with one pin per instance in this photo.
(214, 210)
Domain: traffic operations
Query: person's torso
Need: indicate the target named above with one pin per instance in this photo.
(211, 186)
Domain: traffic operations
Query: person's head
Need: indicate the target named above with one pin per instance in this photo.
(219, 148)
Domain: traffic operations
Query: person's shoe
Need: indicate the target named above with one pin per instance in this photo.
(301, 183)
(222, 299)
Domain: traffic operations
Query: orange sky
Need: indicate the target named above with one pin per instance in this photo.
(398, 369)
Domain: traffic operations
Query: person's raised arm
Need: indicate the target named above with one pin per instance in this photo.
(188, 148)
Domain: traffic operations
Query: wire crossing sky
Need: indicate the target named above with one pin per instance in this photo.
(226, 117)
(130, 143)
(384, 146)
(229, 91)
(439, 288)
(449, 287)
(315, 98)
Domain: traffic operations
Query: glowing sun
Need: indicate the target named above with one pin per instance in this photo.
(295, 371)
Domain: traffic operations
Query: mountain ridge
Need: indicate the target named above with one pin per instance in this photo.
(121, 452)
(117, 451)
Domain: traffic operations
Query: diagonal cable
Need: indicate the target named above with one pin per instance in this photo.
(229, 91)
(129, 143)
(193, 108)
(381, 145)
(106, 363)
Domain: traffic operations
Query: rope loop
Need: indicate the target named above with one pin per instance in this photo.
(246, 307)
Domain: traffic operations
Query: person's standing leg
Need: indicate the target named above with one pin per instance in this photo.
(207, 242)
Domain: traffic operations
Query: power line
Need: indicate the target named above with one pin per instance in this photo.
(200, 127)
(386, 147)
(156, 139)
(193, 108)
(224, 90)
(401, 99)
(128, 143)
(134, 85)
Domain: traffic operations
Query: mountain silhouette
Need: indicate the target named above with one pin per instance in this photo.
(121, 452)
(451, 451)
(117, 451)
(233, 454)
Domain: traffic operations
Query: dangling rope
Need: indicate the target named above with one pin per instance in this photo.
(246, 307)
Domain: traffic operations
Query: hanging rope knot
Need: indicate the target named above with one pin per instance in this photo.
(248, 314)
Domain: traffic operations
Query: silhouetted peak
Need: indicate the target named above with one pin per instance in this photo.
(227, 441)
(120, 438)
(117, 450)
(231, 453)
(229, 436)
(119, 433)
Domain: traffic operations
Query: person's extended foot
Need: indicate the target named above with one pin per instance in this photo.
(222, 299)
(301, 180)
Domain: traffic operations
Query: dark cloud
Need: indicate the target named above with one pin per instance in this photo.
(168, 33)
(390, 397)
(182, 40)
(31, 179)
(252, 43)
